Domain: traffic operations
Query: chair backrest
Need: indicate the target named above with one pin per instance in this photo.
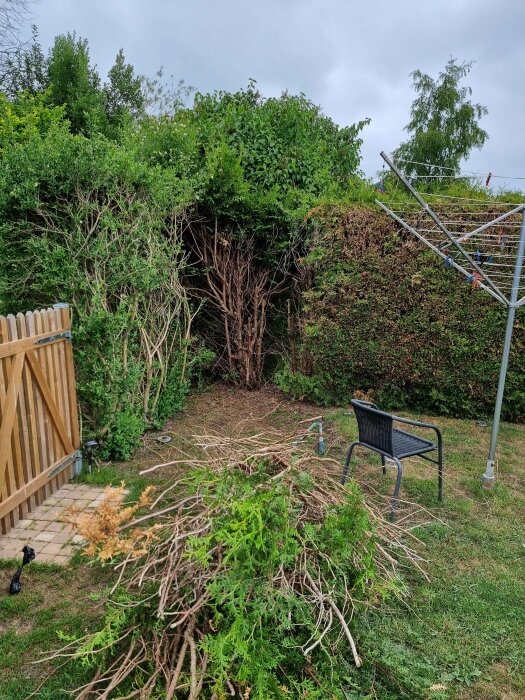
(375, 427)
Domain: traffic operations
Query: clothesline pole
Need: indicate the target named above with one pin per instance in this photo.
(482, 278)
(488, 477)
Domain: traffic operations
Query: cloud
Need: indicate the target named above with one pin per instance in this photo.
(351, 57)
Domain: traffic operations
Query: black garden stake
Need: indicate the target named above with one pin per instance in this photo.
(15, 586)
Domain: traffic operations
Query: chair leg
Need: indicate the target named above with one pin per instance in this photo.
(347, 462)
(440, 479)
(396, 490)
(383, 462)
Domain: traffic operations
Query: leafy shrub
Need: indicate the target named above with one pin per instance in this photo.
(82, 221)
(123, 434)
(266, 161)
(299, 385)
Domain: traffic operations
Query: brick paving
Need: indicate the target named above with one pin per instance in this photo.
(54, 542)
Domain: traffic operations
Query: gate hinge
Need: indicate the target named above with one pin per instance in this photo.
(66, 335)
(63, 464)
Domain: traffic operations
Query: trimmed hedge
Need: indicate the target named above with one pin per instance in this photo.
(381, 315)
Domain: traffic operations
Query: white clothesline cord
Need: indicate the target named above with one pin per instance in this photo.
(486, 202)
(468, 173)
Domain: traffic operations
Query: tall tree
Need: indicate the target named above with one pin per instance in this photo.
(75, 84)
(444, 124)
(124, 98)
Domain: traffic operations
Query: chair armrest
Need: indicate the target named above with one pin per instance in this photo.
(420, 424)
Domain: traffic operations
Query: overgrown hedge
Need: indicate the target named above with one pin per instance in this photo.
(383, 316)
(83, 221)
(96, 218)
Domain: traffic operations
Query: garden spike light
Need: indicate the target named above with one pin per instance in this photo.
(492, 265)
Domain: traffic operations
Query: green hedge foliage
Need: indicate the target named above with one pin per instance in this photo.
(84, 221)
(98, 222)
(383, 316)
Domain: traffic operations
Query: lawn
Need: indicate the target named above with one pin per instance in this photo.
(464, 629)
(459, 635)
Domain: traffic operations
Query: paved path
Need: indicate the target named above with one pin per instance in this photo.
(54, 542)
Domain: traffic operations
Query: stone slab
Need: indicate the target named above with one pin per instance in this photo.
(54, 541)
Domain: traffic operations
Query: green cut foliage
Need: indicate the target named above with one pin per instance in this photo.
(240, 586)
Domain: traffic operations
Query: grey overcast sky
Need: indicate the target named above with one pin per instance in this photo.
(353, 58)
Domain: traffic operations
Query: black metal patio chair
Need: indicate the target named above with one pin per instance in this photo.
(377, 433)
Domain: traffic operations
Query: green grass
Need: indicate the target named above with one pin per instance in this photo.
(113, 475)
(463, 631)
(52, 600)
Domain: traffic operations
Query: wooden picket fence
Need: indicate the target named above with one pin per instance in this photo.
(39, 431)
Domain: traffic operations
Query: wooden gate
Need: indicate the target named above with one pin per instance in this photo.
(39, 433)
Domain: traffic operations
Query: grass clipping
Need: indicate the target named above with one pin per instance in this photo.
(244, 579)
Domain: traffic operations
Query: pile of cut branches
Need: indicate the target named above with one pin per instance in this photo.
(245, 578)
